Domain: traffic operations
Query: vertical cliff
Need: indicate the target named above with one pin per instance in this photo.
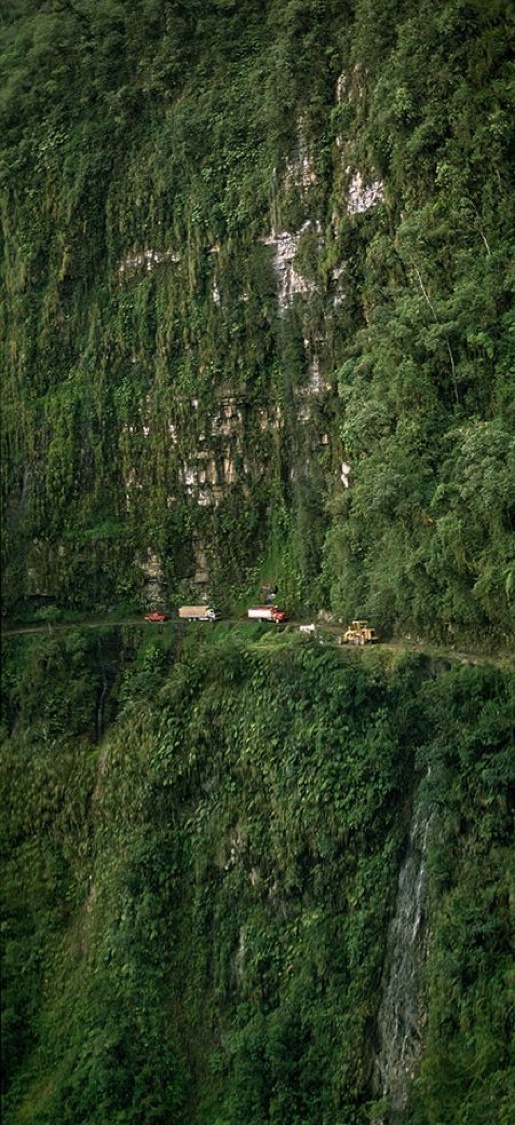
(257, 276)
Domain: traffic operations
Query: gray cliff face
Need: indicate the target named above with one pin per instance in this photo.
(402, 1014)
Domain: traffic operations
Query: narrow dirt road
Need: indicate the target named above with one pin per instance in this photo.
(326, 630)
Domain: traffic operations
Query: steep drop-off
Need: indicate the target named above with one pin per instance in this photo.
(197, 908)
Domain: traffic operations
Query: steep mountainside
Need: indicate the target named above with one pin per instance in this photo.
(254, 881)
(258, 306)
(257, 328)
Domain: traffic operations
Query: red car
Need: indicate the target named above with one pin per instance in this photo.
(156, 618)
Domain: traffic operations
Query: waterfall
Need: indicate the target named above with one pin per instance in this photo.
(100, 705)
(402, 1013)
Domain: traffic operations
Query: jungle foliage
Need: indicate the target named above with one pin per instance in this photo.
(158, 394)
(202, 834)
(196, 899)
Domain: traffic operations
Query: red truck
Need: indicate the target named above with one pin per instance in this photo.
(267, 613)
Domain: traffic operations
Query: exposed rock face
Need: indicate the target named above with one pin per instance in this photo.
(402, 1014)
(147, 260)
(290, 280)
(361, 197)
(153, 572)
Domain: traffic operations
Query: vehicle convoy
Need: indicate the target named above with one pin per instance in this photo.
(156, 618)
(359, 633)
(198, 612)
(267, 613)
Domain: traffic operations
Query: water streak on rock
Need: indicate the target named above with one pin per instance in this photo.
(402, 1013)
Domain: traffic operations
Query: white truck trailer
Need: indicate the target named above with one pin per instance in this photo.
(267, 613)
(198, 613)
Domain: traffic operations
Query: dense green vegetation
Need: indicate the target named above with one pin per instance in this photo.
(257, 327)
(149, 151)
(196, 907)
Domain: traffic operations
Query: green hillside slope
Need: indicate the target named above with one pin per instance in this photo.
(197, 908)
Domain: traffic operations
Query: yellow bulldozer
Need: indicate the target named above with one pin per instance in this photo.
(359, 633)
